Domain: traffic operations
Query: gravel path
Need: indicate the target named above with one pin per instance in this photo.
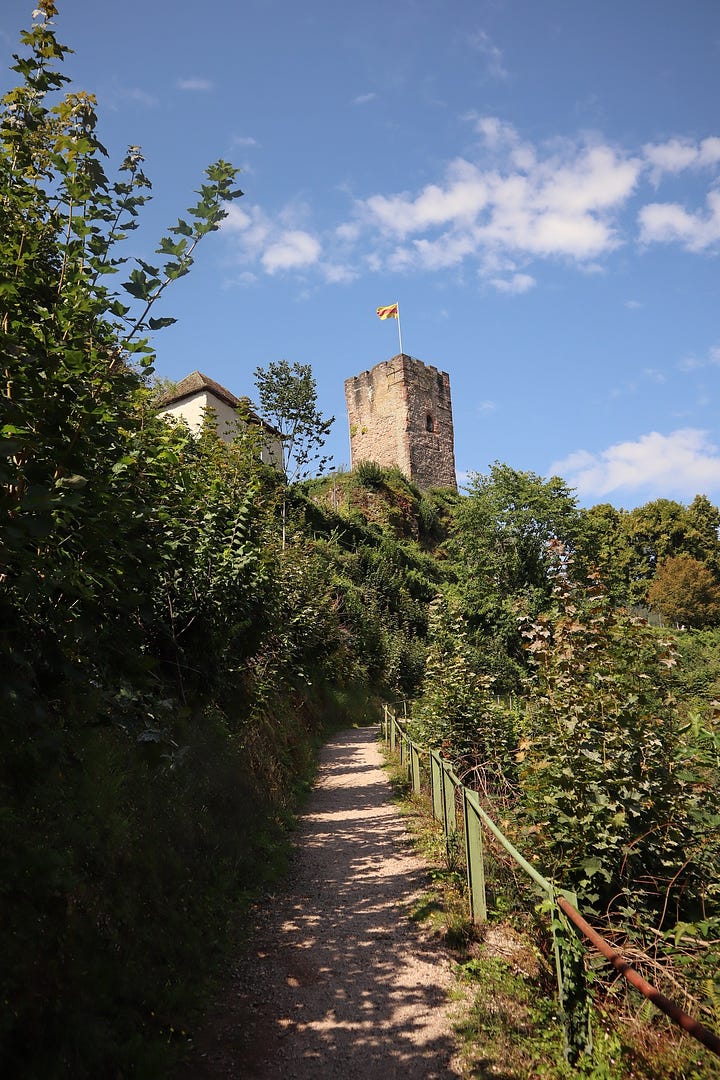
(338, 982)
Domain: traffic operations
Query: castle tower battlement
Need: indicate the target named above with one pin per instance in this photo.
(400, 414)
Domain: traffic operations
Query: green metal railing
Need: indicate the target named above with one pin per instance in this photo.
(458, 809)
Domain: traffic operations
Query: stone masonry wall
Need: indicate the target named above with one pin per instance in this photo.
(400, 413)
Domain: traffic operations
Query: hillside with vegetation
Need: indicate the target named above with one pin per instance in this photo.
(179, 627)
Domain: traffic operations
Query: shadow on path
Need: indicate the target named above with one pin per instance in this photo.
(338, 981)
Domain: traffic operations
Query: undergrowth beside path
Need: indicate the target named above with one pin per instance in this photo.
(508, 1018)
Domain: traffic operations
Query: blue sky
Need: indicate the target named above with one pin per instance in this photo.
(536, 181)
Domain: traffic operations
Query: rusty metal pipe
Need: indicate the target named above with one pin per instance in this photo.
(692, 1027)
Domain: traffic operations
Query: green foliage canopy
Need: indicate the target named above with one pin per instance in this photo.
(78, 453)
(686, 592)
(500, 553)
(288, 400)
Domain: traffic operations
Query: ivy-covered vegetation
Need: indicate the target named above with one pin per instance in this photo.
(179, 624)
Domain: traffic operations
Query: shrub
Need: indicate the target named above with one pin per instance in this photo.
(611, 810)
(369, 474)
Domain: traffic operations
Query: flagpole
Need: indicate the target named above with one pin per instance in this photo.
(399, 330)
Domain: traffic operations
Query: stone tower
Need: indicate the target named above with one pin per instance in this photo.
(400, 414)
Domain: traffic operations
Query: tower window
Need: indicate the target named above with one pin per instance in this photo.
(429, 423)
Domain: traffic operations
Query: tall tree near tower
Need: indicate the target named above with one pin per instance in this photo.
(288, 400)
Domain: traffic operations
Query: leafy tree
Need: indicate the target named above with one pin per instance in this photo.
(506, 523)
(602, 798)
(456, 710)
(686, 592)
(95, 515)
(697, 676)
(288, 400)
(161, 386)
(500, 553)
(605, 545)
(704, 532)
(75, 434)
(627, 547)
(656, 531)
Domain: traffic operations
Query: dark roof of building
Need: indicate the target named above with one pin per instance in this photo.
(196, 382)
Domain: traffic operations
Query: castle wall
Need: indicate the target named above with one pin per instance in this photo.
(430, 427)
(400, 413)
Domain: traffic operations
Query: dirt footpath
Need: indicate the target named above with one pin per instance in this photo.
(338, 982)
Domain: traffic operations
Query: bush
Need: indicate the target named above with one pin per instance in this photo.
(369, 474)
(612, 811)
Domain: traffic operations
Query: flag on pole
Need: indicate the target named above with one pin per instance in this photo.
(392, 311)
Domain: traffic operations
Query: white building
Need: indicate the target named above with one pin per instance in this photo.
(194, 397)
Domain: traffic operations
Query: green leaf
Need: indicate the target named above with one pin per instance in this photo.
(73, 483)
(37, 497)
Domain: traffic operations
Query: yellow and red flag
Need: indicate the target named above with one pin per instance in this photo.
(389, 312)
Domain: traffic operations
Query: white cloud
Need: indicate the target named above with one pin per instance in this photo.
(679, 464)
(244, 140)
(463, 196)
(676, 155)
(597, 178)
(546, 233)
(337, 274)
(709, 153)
(196, 85)
(250, 225)
(672, 156)
(486, 407)
(132, 94)
(245, 277)
(499, 209)
(441, 254)
(494, 131)
(561, 205)
(654, 375)
(363, 99)
(498, 136)
(293, 249)
(518, 283)
(668, 223)
(348, 232)
(259, 239)
(692, 363)
(633, 305)
(482, 43)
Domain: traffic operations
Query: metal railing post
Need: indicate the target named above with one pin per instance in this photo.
(415, 768)
(474, 861)
(436, 783)
(449, 814)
